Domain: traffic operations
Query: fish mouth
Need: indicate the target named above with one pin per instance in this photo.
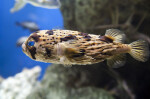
(23, 47)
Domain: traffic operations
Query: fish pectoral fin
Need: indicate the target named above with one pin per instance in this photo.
(19, 4)
(116, 35)
(116, 61)
(73, 53)
(64, 60)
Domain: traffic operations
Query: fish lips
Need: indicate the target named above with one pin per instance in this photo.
(24, 47)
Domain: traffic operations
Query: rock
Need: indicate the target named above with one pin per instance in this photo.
(57, 84)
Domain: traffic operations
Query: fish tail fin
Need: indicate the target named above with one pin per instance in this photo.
(139, 50)
(19, 4)
(116, 35)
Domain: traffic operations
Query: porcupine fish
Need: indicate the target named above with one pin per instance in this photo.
(73, 47)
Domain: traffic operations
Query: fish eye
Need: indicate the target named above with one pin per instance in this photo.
(31, 43)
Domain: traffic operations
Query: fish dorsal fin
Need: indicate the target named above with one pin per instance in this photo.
(116, 35)
(116, 61)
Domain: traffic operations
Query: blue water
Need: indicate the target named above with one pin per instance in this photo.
(12, 59)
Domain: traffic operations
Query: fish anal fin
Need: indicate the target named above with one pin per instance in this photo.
(116, 61)
(116, 35)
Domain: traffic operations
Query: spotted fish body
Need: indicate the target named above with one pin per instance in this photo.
(73, 47)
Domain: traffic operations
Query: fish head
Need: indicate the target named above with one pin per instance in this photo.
(30, 46)
(37, 47)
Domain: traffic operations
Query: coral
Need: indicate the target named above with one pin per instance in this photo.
(21, 85)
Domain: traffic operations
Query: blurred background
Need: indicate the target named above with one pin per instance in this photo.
(12, 59)
(95, 81)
